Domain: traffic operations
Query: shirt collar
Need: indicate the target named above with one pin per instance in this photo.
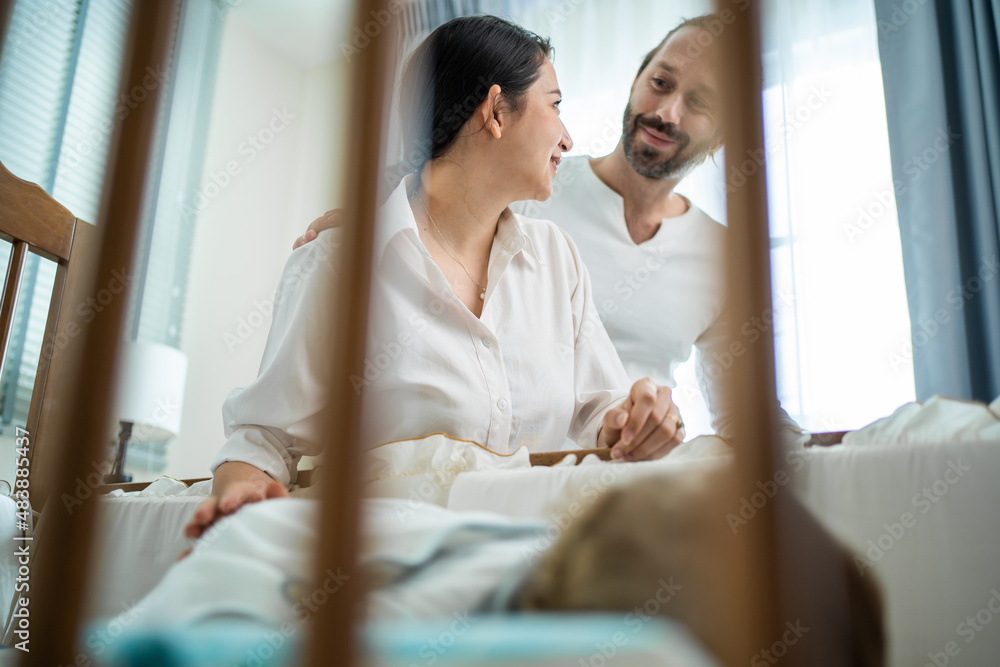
(396, 216)
(616, 204)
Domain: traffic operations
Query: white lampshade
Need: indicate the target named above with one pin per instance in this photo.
(151, 390)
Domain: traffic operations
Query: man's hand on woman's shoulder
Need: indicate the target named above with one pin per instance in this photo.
(328, 220)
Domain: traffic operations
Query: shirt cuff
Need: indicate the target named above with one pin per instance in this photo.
(252, 445)
(592, 430)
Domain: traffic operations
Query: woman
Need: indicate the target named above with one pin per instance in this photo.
(483, 325)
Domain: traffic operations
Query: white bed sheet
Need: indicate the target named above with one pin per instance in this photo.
(139, 537)
(941, 568)
(553, 493)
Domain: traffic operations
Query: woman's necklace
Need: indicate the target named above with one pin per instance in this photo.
(447, 249)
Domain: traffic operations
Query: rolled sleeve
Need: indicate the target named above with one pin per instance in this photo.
(276, 420)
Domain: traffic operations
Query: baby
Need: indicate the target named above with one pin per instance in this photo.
(667, 539)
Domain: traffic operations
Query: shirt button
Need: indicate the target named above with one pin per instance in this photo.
(502, 404)
(488, 342)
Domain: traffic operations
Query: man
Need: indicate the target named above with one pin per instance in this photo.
(657, 262)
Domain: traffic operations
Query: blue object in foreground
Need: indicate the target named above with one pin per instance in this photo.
(495, 639)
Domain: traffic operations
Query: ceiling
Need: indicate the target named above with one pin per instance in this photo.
(308, 32)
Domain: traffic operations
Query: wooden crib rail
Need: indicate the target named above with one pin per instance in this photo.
(332, 627)
(552, 458)
(749, 384)
(826, 439)
(305, 478)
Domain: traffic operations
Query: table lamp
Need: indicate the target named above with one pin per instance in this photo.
(150, 395)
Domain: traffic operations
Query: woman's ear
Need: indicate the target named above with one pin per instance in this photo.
(491, 111)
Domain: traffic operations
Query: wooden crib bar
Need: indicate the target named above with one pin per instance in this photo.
(62, 564)
(332, 631)
(749, 384)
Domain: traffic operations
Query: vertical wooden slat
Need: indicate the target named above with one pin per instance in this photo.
(751, 380)
(11, 286)
(52, 324)
(332, 638)
(58, 579)
(796, 572)
(59, 360)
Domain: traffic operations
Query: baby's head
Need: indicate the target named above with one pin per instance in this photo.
(662, 546)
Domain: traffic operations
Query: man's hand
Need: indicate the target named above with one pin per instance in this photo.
(328, 220)
(234, 485)
(647, 425)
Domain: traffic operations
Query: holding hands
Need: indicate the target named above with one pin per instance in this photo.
(646, 426)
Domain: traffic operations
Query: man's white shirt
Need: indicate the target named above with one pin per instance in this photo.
(657, 299)
(536, 368)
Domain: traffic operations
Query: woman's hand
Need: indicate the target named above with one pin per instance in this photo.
(646, 426)
(328, 220)
(234, 485)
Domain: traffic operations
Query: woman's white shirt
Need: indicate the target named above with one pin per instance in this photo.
(535, 368)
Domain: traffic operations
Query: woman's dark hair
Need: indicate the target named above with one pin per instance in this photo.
(450, 73)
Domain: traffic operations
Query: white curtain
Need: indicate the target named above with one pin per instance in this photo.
(842, 322)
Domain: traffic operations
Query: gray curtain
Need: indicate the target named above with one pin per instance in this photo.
(941, 68)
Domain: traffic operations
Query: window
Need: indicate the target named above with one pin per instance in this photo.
(59, 102)
(840, 299)
(59, 74)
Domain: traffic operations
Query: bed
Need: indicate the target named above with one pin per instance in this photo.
(918, 516)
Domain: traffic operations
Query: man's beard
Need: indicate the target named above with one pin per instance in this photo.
(648, 161)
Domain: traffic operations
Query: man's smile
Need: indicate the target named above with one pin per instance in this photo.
(656, 139)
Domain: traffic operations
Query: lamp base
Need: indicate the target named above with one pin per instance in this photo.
(117, 474)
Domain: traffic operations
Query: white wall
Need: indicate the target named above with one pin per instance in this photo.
(244, 235)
